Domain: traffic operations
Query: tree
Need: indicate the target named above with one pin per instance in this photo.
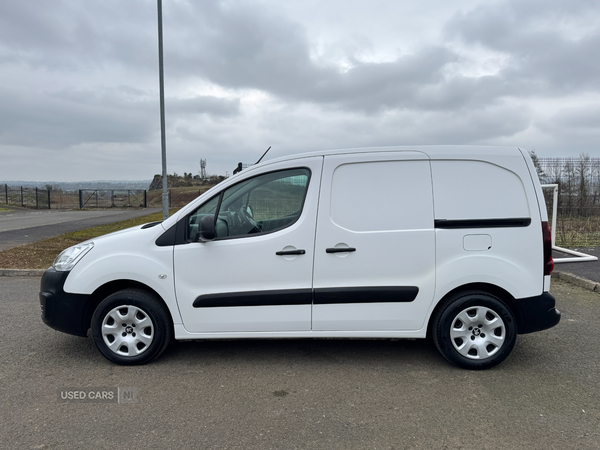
(537, 164)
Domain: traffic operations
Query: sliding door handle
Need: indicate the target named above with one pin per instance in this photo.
(290, 252)
(340, 249)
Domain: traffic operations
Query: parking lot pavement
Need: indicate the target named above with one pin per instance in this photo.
(300, 394)
(22, 226)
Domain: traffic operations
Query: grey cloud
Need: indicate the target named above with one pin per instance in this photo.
(71, 117)
(81, 77)
(213, 106)
(584, 116)
(248, 48)
(69, 34)
(550, 49)
(239, 47)
(575, 127)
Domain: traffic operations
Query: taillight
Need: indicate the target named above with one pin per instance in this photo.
(547, 238)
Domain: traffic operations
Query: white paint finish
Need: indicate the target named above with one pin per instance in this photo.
(380, 203)
(250, 264)
(514, 263)
(250, 319)
(477, 190)
(182, 333)
(127, 255)
(477, 242)
(547, 283)
(381, 196)
(393, 194)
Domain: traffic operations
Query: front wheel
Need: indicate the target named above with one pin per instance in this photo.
(474, 330)
(131, 327)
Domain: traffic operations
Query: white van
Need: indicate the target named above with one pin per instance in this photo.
(395, 242)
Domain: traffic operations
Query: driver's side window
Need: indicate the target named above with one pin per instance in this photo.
(263, 204)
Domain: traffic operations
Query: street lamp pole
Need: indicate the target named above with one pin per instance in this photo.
(163, 140)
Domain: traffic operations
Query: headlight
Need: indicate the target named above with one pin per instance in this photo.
(71, 256)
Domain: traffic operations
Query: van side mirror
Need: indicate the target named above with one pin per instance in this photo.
(207, 230)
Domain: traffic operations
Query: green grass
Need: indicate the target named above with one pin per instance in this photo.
(578, 231)
(41, 254)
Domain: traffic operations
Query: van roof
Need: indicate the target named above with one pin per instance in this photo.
(431, 151)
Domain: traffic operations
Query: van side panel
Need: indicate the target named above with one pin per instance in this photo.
(380, 207)
(488, 227)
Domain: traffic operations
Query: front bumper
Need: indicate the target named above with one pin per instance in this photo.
(61, 310)
(537, 313)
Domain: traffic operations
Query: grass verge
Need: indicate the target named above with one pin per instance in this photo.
(41, 254)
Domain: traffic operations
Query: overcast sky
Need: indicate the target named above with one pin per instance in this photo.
(79, 80)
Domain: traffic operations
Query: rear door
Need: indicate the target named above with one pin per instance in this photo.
(375, 243)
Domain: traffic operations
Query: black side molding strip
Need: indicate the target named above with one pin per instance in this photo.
(255, 298)
(322, 296)
(375, 294)
(483, 223)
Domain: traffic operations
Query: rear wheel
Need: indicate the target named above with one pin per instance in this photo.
(131, 327)
(474, 330)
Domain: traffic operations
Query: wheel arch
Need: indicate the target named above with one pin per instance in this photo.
(110, 288)
(503, 295)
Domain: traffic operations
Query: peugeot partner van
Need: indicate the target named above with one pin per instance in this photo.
(398, 242)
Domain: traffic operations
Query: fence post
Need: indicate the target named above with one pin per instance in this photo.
(22, 197)
(6, 192)
(169, 198)
(80, 200)
(48, 198)
(36, 198)
(145, 199)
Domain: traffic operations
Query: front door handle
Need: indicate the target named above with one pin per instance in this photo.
(340, 249)
(290, 252)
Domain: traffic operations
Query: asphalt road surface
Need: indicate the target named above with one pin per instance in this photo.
(588, 269)
(22, 226)
(299, 394)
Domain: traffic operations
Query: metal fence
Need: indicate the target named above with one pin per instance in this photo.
(26, 197)
(83, 199)
(112, 198)
(578, 202)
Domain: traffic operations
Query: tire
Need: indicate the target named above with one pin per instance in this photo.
(474, 330)
(131, 327)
